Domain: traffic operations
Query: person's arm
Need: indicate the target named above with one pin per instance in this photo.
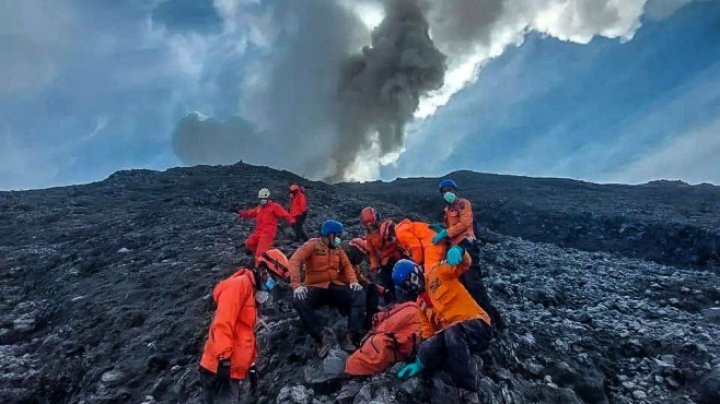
(374, 261)
(223, 325)
(296, 262)
(346, 269)
(465, 222)
(302, 201)
(283, 214)
(248, 213)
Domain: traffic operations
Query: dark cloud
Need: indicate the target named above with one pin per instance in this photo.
(188, 15)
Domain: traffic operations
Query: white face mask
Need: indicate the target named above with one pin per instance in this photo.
(262, 296)
(263, 201)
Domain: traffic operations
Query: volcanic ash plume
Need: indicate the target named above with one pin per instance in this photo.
(380, 89)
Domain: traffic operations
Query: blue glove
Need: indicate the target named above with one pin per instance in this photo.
(439, 237)
(410, 370)
(454, 255)
(436, 227)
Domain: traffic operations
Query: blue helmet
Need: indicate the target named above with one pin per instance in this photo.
(402, 270)
(447, 183)
(331, 227)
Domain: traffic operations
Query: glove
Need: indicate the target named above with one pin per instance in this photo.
(440, 236)
(436, 227)
(454, 255)
(356, 287)
(300, 292)
(222, 376)
(410, 370)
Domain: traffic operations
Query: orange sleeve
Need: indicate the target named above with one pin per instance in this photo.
(465, 221)
(283, 214)
(302, 202)
(223, 326)
(374, 261)
(248, 213)
(296, 261)
(346, 268)
(427, 329)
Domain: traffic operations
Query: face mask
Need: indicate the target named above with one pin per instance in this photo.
(449, 197)
(270, 284)
(335, 243)
(263, 201)
(262, 296)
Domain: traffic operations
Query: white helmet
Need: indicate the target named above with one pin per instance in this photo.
(264, 193)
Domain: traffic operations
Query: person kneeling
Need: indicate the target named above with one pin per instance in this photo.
(327, 268)
(230, 351)
(454, 326)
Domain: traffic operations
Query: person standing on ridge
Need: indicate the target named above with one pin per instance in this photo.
(453, 326)
(230, 351)
(382, 248)
(298, 210)
(266, 216)
(458, 232)
(329, 281)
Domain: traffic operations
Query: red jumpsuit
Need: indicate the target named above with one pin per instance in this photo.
(266, 220)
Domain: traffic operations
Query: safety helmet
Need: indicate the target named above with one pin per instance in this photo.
(403, 270)
(275, 261)
(294, 188)
(447, 183)
(264, 193)
(360, 244)
(387, 230)
(331, 227)
(369, 216)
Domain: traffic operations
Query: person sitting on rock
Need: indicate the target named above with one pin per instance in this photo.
(329, 281)
(298, 210)
(453, 326)
(357, 251)
(230, 351)
(394, 337)
(458, 230)
(266, 216)
(383, 254)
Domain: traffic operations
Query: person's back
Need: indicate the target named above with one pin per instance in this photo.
(415, 240)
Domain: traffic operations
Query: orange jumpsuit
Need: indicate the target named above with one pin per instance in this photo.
(459, 220)
(232, 333)
(415, 240)
(266, 220)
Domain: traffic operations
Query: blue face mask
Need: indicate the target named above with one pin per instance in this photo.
(270, 284)
(449, 197)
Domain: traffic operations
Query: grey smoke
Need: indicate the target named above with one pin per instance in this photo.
(380, 89)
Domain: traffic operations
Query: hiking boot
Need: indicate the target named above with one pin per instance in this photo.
(347, 344)
(326, 343)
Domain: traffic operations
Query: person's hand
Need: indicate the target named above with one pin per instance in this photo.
(410, 370)
(300, 292)
(454, 255)
(222, 376)
(436, 227)
(442, 234)
(356, 287)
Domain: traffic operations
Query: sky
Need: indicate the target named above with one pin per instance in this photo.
(603, 90)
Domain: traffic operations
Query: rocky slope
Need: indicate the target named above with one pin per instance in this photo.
(106, 296)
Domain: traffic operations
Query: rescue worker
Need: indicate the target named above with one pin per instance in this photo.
(298, 210)
(266, 216)
(394, 337)
(453, 326)
(459, 232)
(329, 281)
(383, 254)
(357, 251)
(414, 239)
(230, 351)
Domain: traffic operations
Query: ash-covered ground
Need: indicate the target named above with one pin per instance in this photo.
(106, 289)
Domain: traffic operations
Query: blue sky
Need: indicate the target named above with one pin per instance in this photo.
(91, 87)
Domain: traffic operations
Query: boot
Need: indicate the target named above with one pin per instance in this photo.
(327, 340)
(348, 343)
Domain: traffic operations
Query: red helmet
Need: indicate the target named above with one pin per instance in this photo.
(276, 262)
(387, 230)
(360, 244)
(295, 187)
(369, 216)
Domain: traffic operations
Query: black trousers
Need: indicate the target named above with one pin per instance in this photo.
(339, 296)
(372, 300)
(472, 280)
(453, 349)
(212, 395)
(387, 281)
(299, 228)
